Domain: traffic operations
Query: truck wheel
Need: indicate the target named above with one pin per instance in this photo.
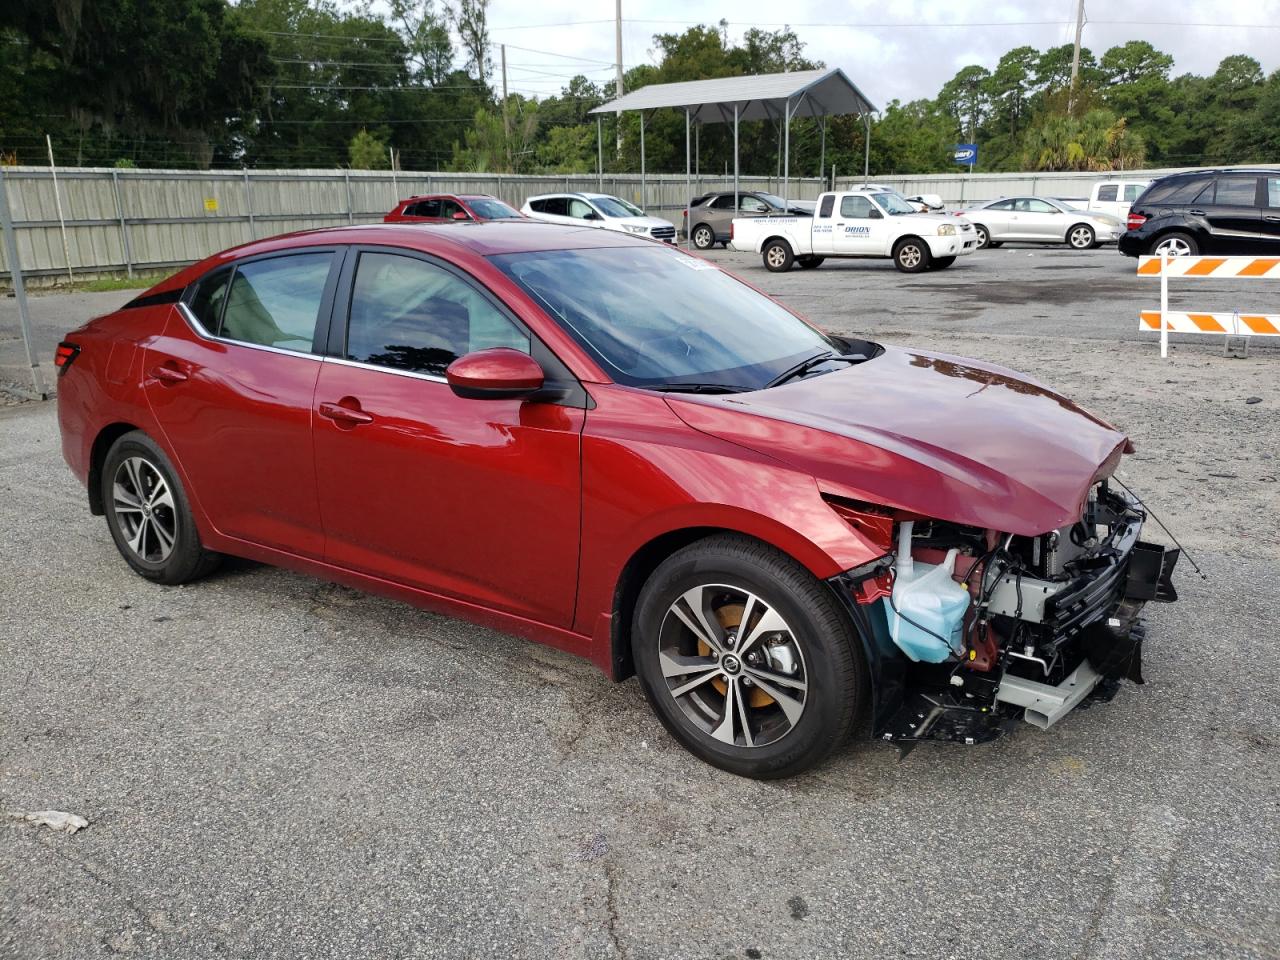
(941, 263)
(703, 237)
(808, 263)
(778, 256)
(1081, 237)
(911, 255)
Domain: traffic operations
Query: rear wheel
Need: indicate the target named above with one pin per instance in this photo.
(704, 237)
(809, 263)
(777, 256)
(941, 263)
(148, 514)
(747, 659)
(1082, 237)
(1175, 245)
(911, 255)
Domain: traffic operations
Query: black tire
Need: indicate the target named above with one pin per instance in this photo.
(1184, 244)
(994, 244)
(811, 263)
(704, 238)
(140, 534)
(941, 263)
(777, 256)
(984, 237)
(911, 255)
(1081, 236)
(830, 657)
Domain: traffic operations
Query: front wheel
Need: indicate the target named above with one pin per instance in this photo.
(941, 263)
(911, 255)
(747, 659)
(703, 237)
(148, 514)
(984, 236)
(1081, 237)
(777, 256)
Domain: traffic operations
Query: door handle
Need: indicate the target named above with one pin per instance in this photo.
(1272, 219)
(341, 414)
(168, 373)
(1196, 213)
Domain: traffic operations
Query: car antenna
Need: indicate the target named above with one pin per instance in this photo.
(1185, 552)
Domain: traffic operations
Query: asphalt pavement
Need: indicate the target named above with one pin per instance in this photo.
(277, 767)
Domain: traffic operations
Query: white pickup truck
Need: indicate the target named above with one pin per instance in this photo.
(857, 223)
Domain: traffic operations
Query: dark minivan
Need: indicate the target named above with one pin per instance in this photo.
(1206, 211)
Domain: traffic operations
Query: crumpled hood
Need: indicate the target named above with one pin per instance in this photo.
(932, 434)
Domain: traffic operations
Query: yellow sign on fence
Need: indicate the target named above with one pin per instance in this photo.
(211, 204)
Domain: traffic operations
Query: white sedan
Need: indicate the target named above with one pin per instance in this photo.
(1041, 220)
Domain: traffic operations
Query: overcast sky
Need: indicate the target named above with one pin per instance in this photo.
(905, 49)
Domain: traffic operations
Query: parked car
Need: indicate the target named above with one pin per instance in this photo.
(598, 210)
(1207, 211)
(1041, 220)
(611, 446)
(857, 223)
(713, 213)
(1115, 196)
(446, 207)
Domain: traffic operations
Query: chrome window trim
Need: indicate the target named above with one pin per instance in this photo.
(198, 329)
(361, 365)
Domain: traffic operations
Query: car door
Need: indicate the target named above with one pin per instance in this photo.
(719, 214)
(1040, 220)
(859, 228)
(473, 499)
(581, 212)
(1233, 214)
(1270, 225)
(824, 221)
(449, 210)
(997, 218)
(231, 382)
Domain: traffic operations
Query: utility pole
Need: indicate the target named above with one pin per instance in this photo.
(506, 116)
(1075, 56)
(618, 41)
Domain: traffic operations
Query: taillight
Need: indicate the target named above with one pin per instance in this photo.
(65, 355)
(730, 229)
(1135, 221)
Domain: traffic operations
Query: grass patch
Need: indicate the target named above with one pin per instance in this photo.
(107, 284)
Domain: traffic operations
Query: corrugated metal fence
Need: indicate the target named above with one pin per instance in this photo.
(119, 221)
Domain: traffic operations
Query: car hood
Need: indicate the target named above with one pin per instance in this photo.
(649, 222)
(930, 434)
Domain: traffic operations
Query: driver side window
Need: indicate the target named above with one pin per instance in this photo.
(752, 205)
(856, 208)
(580, 209)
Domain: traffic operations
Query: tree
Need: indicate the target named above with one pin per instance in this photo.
(1009, 88)
(967, 97)
(1098, 141)
(367, 152)
(1135, 62)
(471, 20)
(426, 34)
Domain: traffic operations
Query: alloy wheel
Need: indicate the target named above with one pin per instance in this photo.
(910, 256)
(143, 505)
(703, 239)
(1081, 238)
(777, 256)
(1172, 246)
(733, 665)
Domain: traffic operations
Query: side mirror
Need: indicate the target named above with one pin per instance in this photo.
(875, 215)
(498, 373)
(460, 215)
(591, 215)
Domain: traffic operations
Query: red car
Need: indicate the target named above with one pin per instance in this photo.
(447, 207)
(610, 446)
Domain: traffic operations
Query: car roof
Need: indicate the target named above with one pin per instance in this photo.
(580, 194)
(1213, 171)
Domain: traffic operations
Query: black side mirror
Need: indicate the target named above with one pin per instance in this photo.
(875, 215)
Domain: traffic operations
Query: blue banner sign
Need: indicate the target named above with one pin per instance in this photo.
(966, 153)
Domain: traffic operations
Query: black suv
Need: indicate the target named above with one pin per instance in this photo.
(1206, 211)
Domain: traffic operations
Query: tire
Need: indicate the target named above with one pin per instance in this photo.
(811, 263)
(798, 691)
(984, 237)
(1082, 237)
(777, 256)
(148, 514)
(911, 255)
(995, 244)
(941, 263)
(1180, 245)
(704, 238)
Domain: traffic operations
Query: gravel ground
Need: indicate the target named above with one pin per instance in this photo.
(276, 767)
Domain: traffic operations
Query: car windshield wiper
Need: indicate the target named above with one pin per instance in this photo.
(804, 366)
(695, 387)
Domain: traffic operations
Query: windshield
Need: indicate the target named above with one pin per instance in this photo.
(772, 199)
(489, 209)
(653, 316)
(893, 203)
(616, 207)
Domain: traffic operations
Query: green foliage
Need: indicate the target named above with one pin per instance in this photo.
(367, 152)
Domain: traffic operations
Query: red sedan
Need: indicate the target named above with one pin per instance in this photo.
(448, 207)
(608, 445)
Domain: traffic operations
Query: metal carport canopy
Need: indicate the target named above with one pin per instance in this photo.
(771, 96)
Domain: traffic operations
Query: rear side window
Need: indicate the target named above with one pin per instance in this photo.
(1236, 192)
(828, 204)
(1108, 192)
(275, 303)
(724, 202)
(209, 298)
(408, 314)
(556, 206)
(425, 208)
(1178, 191)
(1132, 191)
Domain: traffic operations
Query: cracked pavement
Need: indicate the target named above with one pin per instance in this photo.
(276, 767)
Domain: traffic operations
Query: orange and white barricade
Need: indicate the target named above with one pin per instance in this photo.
(1165, 320)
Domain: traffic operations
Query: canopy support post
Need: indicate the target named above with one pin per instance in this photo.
(822, 155)
(644, 193)
(688, 185)
(735, 160)
(786, 157)
(866, 160)
(599, 154)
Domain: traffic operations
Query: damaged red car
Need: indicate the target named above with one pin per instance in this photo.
(610, 446)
